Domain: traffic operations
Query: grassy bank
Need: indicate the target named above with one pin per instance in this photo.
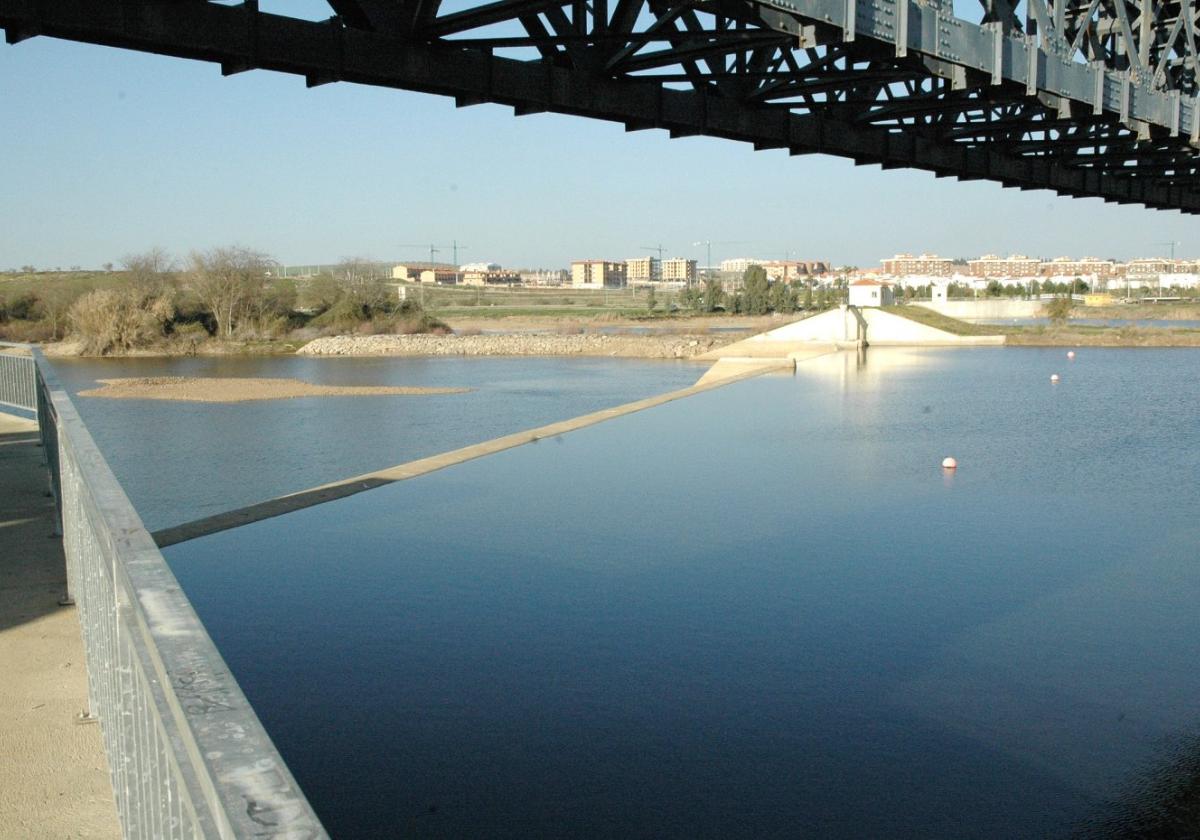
(944, 322)
(1142, 312)
(1077, 336)
(229, 301)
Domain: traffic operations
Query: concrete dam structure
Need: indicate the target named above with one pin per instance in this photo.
(847, 327)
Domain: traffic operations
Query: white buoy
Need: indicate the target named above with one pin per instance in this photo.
(1070, 354)
(949, 464)
(1054, 377)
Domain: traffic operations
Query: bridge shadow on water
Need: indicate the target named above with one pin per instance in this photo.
(32, 568)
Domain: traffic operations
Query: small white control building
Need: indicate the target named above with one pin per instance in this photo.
(871, 293)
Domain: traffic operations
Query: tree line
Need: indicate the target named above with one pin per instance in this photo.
(229, 293)
(757, 295)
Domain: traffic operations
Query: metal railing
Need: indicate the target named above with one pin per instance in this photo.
(17, 377)
(187, 755)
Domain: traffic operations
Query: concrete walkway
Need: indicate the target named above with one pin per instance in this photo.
(54, 780)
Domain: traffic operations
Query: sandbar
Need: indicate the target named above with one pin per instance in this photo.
(230, 389)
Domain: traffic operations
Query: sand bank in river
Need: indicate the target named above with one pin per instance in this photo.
(226, 390)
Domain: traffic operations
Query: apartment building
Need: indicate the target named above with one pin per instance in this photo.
(679, 270)
(598, 274)
(927, 264)
(491, 277)
(417, 272)
(1155, 265)
(641, 270)
(1016, 265)
(1079, 267)
(738, 265)
(544, 277)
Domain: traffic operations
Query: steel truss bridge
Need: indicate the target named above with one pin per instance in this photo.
(1083, 97)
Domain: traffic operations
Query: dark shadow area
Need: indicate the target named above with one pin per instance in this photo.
(33, 574)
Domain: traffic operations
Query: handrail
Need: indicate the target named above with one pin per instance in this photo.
(17, 378)
(187, 754)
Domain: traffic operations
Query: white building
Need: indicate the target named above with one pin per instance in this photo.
(870, 293)
(739, 265)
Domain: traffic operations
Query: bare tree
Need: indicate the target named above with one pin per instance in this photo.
(229, 282)
(148, 267)
(362, 279)
(319, 292)
(56, 299)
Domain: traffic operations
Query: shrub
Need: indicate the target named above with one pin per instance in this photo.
(1058, 310)
(26, 332)
(114, 320)
(22, 307)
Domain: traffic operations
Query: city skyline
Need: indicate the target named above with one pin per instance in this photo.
(113, 153)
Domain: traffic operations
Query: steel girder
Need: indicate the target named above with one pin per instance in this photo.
(1084, 97)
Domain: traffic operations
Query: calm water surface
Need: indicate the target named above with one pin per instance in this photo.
(182, 461)
(763, 611)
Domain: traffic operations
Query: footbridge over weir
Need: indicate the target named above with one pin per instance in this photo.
(1085, 97)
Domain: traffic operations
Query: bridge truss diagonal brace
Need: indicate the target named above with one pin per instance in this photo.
(985, 49)
(328, 51)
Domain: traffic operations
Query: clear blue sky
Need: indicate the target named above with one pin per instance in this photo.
(105, 152)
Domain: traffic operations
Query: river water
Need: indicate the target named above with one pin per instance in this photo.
(762, 611)
(183, 461)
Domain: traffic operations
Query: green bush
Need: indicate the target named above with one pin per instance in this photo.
(1058, 310)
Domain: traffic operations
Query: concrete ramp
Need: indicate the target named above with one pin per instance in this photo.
(743, 367)
(886, 329)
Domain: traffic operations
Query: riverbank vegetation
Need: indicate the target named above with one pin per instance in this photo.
(235, 299)
(218, 300)
(1060, 332)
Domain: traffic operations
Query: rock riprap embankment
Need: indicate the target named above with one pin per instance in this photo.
(587, 344)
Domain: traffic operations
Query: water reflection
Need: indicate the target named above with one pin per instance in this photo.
(755, 612)
(182, 461)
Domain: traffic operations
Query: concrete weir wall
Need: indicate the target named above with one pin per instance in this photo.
(884, 328)
(845, 327)
(971, 310)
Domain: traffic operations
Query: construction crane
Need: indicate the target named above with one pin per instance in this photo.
(434, 250)
(659, 248)
(708, 243)
(1172, 247)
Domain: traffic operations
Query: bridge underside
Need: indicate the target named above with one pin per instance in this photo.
(1084, 97)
